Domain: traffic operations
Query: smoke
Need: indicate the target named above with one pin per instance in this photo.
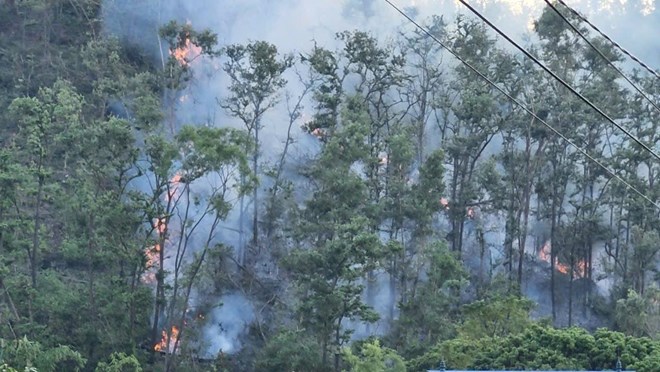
(226, 324)
(293, 26)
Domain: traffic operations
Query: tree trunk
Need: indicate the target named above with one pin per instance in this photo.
(34, 254)
(255, 200)
(553, 257)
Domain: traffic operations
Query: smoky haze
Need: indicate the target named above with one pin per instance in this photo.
(293, 26)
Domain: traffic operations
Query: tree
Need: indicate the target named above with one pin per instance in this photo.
(477, 116)
(290, 351)
(120, 362)
(43, 120)
(195, 179)
(25, 354)
(541, 347)
(336, 246)
(496, 317)
(427, 88)
(374, 358)
(431, 309)
(639, 315)
(256, 77)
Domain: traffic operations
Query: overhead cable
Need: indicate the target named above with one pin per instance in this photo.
(624, 51)
(556, 77)
(522, 106)
(603, 56)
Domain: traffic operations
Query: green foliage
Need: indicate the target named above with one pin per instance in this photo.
(328, 276)
(90, 143)
(543, 348)
(6, 368)
(374, 358)
(119, 362)
(25, 354)
(176, 70)
(458, 353)
(204, 150)
(496, 317)
(290, 351)
(256, 77)
(431, 313)
(639, 315)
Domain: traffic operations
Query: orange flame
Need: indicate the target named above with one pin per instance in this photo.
(152, 255)
(152, 262)
(318, 133)
(579, 271)
(175, 181)
(544, 253)
(160, 225)
(186, 53)
(163, 345)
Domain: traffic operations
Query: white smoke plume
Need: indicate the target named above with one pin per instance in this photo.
(226, 323)
(293, 25)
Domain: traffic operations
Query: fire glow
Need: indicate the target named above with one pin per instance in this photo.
(174, 187)
(578, 271)
(318, 133)
(160, 226)
(186, 53)
(164, 345)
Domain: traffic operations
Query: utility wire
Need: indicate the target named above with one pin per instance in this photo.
(577, 31)
(522, 106)
(585, 20)
(556, 77)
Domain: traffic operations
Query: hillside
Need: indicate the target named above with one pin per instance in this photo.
(172, 199)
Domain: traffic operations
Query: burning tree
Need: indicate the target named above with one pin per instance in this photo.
(185, 45)
(196, 181)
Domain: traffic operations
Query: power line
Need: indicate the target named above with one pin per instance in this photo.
(556, 77)
(522, 106)
(624, 51)
(577, 31)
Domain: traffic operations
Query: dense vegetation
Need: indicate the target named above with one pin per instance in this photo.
(112, 210)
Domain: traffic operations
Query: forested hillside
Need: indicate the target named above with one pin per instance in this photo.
(171, 202)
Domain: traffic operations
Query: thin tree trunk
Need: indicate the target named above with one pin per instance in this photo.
(255, 202)
(34, 255)
(553, 255)
(570, 287)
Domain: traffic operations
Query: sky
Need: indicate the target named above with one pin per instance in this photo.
(293, 24)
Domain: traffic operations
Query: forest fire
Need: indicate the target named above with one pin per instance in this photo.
(470, 212)
(160, 226)
(164, 345)
(186, 53)
(444, 202)
(174, 187)
(318, 133)
(152, 261)
(578, 271)
(152, 256)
